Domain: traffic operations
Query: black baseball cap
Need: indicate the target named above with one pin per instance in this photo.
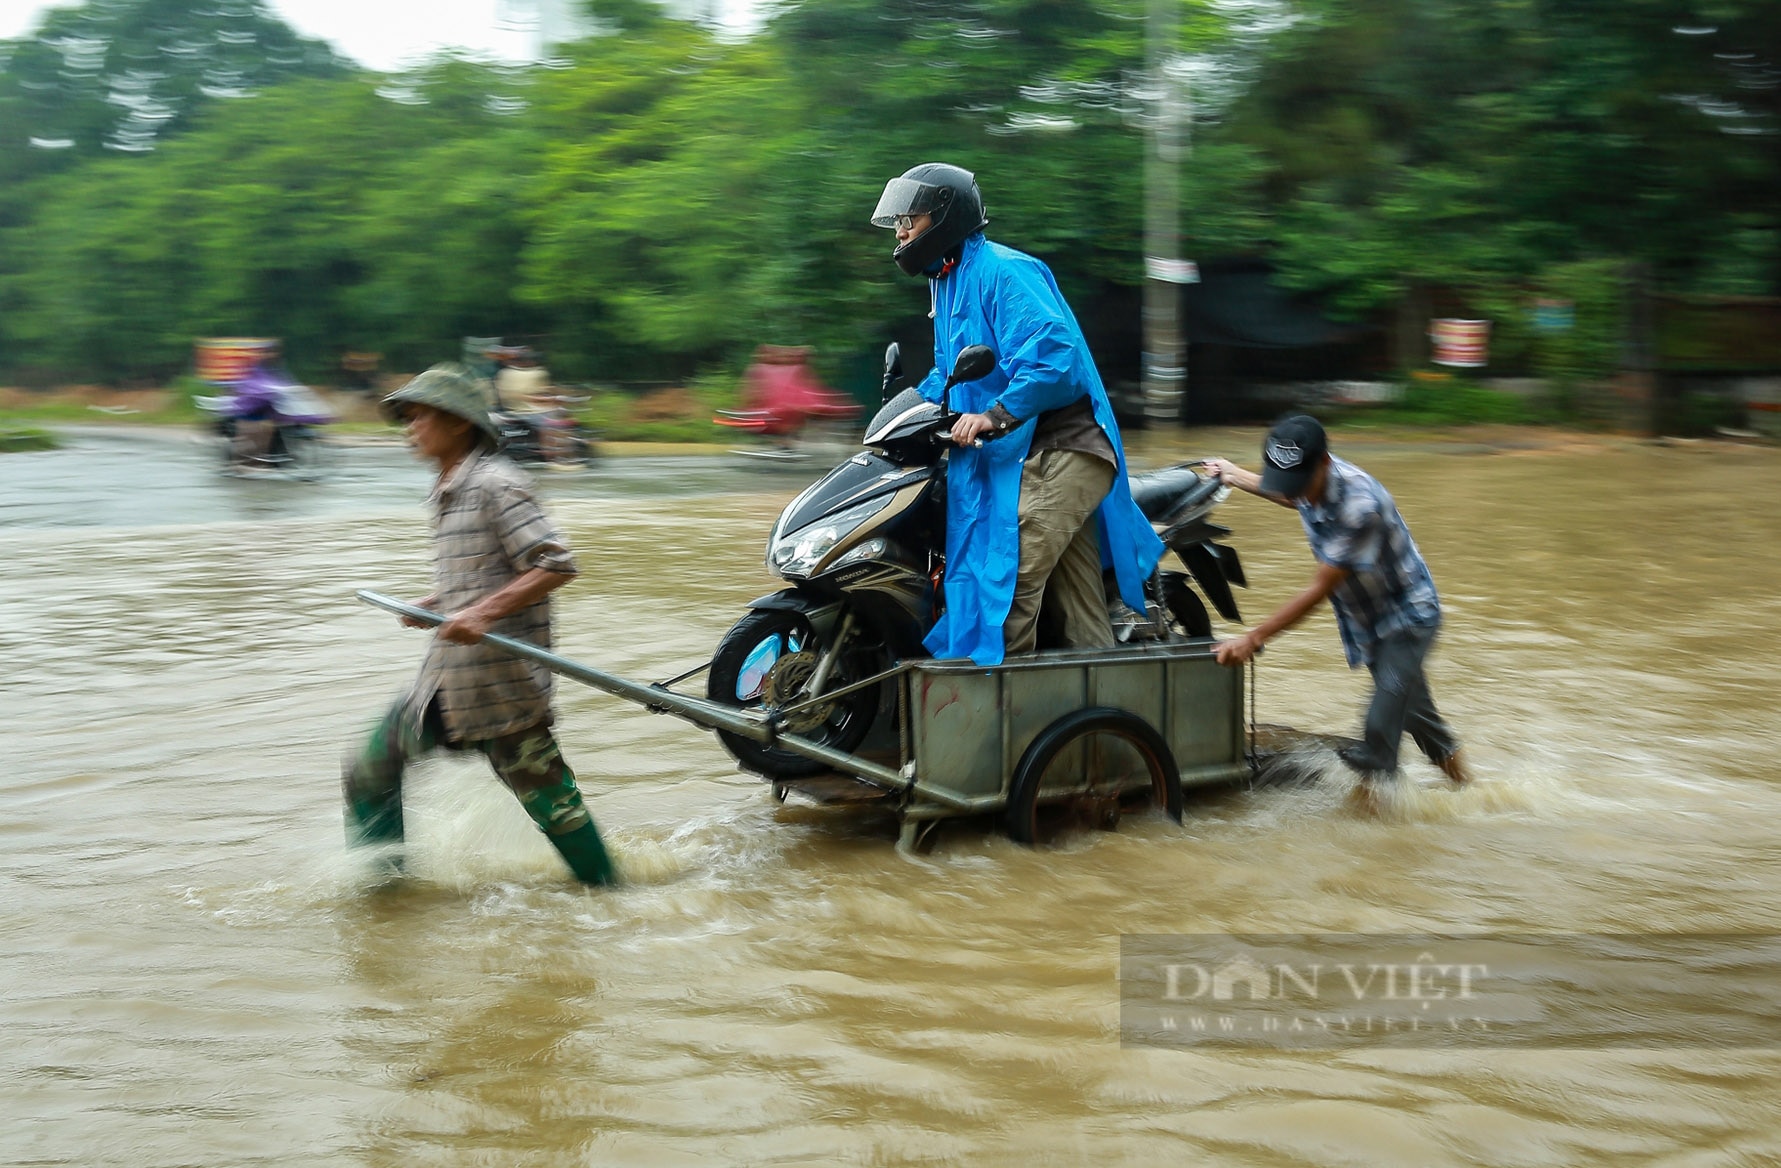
(1291, 454)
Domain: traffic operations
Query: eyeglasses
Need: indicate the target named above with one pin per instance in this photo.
(907, 222)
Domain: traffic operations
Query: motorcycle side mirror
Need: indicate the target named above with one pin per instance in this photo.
(974, 361)
(893, 369)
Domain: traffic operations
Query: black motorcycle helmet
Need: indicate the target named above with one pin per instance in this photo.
(949, 194)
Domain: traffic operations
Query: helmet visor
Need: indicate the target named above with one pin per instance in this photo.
(904, 196)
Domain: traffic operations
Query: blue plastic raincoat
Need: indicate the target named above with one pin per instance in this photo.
(1005, 299)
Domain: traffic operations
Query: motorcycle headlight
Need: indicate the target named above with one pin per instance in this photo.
(871, 549)
(799, 553)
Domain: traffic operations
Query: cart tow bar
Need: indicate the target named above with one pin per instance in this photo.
(699, 711)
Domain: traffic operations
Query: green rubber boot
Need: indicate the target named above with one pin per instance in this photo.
(585, 853)
(372, 816)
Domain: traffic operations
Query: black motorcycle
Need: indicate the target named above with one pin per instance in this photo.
(863, 551)
(551, 434)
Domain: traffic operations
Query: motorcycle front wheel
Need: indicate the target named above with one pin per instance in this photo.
(573, 447)
(221, 436)
(587, 453)
(766, 659)
(307, 454)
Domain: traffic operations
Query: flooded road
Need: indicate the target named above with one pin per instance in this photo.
(194, 971)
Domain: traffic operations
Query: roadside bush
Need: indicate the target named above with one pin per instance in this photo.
(679, 414)
(1453, 402)
(1575, 362)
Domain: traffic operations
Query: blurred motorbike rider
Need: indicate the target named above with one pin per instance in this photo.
(521, 379)
(1034, 516)
(253, 403)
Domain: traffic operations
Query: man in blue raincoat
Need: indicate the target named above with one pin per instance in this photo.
(1035, 514)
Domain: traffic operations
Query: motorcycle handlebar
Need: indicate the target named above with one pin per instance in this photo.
(943, 431)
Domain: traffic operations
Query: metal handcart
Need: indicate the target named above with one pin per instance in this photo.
(1037, 741)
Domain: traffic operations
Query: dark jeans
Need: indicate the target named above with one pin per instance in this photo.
(1401, 701)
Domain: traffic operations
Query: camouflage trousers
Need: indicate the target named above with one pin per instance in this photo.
(528, 761)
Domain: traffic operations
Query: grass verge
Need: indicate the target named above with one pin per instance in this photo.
(169, 406)
(1446, 403)
(15, 439)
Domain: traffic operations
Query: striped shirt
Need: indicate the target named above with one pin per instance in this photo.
(487, 531)
(1356, 526)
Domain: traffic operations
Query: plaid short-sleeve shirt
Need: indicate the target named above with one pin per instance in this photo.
(487, 530)
(1356, 526)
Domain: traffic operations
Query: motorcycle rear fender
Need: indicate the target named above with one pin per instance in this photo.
(1215, 568)
(1193, 531)
(1179, 539)
(1233, 567)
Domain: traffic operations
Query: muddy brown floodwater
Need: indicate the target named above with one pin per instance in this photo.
(193, 971)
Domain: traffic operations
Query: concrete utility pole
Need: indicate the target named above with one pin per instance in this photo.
(1165, 350)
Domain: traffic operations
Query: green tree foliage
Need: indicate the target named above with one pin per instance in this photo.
(1474, 143)
(663, 198)
(122, 75)
(652, 221)
(698, 197)
(322, 212)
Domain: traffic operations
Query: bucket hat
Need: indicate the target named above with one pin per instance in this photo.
(450, 387)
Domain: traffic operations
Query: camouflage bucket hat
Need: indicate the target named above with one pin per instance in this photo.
(449, 387)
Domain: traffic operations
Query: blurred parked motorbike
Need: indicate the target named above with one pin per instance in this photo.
(546, 430)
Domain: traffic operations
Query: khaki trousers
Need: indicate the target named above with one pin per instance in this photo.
(1060, 553)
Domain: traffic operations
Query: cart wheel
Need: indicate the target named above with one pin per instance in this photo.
(1085, 761)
